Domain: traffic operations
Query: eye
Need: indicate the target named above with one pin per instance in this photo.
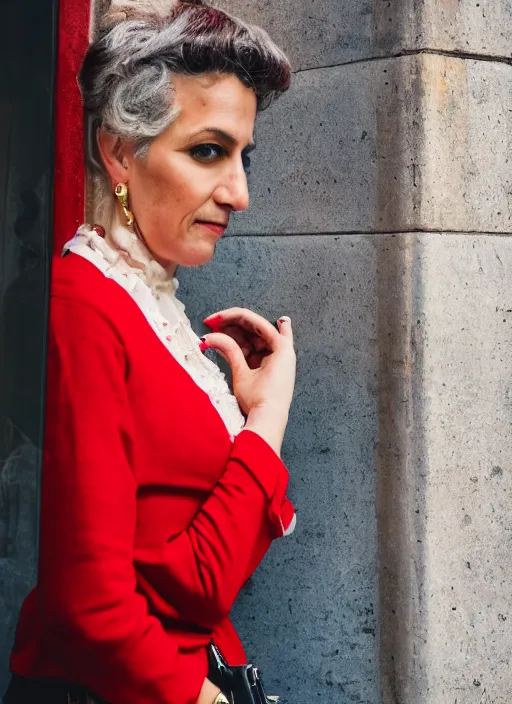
(207, 152)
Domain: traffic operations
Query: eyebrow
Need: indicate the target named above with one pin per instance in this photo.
(221, 134)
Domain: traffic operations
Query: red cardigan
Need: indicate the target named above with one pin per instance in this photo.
(151, 518)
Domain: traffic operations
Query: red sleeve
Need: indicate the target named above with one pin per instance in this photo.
(100, 625)
(202, 570)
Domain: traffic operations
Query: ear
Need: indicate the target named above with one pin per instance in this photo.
(117, 156)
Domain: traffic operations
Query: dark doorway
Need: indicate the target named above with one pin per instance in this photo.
(27, 70)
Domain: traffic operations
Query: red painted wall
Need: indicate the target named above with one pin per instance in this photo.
(69, 188)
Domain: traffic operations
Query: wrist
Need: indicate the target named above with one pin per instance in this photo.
(271, 414)
(269, 425)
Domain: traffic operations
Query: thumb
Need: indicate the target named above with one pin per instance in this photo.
(228, 348)
(284, 325)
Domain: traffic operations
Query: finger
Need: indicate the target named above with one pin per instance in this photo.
(246, 319)
(284, 325)
(227, 347)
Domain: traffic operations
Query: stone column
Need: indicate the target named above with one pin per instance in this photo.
(381, 201)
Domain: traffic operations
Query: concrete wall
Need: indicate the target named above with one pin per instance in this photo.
(381, 197)
(310, 616)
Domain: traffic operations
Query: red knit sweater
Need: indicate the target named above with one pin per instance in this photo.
(151, 518)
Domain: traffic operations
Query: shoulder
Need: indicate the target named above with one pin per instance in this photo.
(76, 279)
(86, 330)
(77, 284)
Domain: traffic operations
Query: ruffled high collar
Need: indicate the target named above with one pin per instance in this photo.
(137, 256)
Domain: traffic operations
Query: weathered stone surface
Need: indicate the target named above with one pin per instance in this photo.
(466, 150)
(325, 148)
(309, 617)
(328, 32)
(466, 26)
(414, 143)
(445, 484)
(317, 33)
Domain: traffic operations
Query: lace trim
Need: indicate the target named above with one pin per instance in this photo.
(122, 257)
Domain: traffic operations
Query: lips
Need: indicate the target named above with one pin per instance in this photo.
(215, 227)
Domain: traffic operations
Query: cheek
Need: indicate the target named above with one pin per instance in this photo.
(161, 189)
(172, 193)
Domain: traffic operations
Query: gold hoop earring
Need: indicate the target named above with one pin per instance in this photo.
(122, 196)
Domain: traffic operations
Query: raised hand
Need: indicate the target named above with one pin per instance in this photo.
(263, 364)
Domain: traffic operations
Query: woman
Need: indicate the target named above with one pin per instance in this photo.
(162, 490)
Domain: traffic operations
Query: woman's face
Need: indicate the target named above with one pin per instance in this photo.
(194, 175)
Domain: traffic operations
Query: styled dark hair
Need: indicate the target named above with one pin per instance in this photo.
(126, 77)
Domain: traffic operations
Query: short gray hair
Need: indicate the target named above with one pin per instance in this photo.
(126, 77)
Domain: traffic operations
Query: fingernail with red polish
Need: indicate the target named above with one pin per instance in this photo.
(214, 322)
(203, 345)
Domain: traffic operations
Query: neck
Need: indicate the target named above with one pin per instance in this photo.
(117, 234)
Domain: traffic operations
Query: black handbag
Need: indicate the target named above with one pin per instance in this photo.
(241, 684)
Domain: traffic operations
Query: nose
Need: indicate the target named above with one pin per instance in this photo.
(233, 191)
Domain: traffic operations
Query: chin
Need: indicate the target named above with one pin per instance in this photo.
(198, 257)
